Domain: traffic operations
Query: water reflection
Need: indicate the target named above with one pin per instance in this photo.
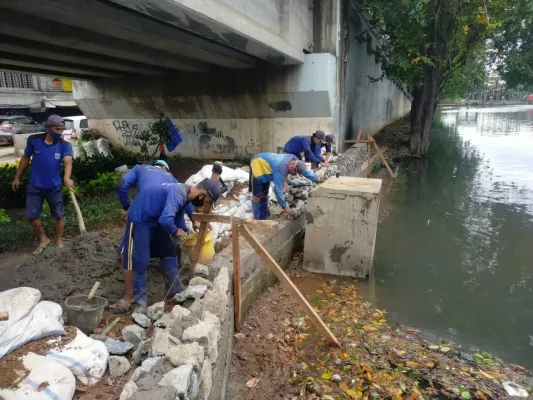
(455, 246)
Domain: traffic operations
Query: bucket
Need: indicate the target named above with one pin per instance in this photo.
(208, 249)
(88, 318)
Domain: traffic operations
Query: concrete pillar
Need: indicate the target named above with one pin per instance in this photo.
(342, 218)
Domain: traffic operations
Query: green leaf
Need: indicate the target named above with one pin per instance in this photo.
(433, 347)
(326, 376)
(445, 349)
(402, 386)
(466, 395)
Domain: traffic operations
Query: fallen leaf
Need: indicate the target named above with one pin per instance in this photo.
(327, 397)
(466, 395)
(252, 383)
(326, 376)
(400, 352)
(433, 347)
(240, 335)
(445, 349)
(354, 394)
(413, 364)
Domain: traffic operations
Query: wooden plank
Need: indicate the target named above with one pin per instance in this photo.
(359, 132)
(287, 283)
(227, 219)
(236, 275)
(378, 150)
(368, 147)
(352, 141)
(195, 253)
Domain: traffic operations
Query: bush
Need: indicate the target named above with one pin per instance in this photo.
(104, 183)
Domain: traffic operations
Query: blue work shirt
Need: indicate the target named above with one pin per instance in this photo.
(161, 205)
(301, 144)
(46, 160)
(317, 150)
(145, 176)
(276, 171)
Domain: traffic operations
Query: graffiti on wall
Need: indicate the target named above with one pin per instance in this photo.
(127, 132)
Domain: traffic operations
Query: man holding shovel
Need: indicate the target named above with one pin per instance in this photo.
(46, 151)
(159, 212)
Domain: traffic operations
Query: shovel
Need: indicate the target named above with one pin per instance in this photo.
(81, 223)
(86, 305)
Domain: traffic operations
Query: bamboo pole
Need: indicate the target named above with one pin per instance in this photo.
(236, 275)
(289, 286)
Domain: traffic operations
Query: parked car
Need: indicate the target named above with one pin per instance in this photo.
(17, 124)
(74, 127)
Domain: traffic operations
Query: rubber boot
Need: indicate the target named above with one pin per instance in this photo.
(263, 207)
(140, 291)
(256, 209)
(170, 270)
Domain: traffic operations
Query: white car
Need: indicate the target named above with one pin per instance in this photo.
(74, 127)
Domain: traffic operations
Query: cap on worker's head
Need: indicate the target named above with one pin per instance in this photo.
(320, 134)
(161, 163)
(300, 167)
(53, 120)
(330, 138)
(212, 188)
(217, 168)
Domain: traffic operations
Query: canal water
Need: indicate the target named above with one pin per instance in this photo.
(454, 251)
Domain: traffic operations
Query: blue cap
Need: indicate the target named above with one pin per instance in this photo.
(330, 138)
(212, 187)
(320, 134)
(161, 163)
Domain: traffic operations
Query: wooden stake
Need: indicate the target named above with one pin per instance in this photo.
(81, 223)
(358, 136)
(236, 275)
(195, 253)
(378, 150)
(110, 327)
(368, 151)
(227, 219)
(287, 283)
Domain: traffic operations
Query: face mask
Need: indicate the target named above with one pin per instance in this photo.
(54, 135)
(197, 201)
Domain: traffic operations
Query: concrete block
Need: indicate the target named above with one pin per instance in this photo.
(342, 217)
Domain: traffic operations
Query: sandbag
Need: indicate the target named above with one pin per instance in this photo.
(45, 319)
(228, 175)
(90, 148)
(18, 303)
(86, 358)
(102, 145)
(47, 380)
(78, 152)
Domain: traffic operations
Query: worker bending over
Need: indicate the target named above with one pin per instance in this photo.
(302, 144)
(155, 224)
(273, 167)
(317, 150)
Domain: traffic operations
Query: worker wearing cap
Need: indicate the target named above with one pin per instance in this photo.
(317, 149)
(46, 151)
(302, 144)
(273, 167)
(158, 212)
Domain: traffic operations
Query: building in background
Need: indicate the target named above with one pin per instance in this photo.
(36, 96)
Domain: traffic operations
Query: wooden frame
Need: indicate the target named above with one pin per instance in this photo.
(371, 142)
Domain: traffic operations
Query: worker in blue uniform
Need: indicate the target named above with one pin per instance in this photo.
(302, 144)
(155, 224)
(273, 167)
(317, 150)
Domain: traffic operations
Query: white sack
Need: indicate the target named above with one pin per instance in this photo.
(102, 145)
(18, 303)
(90, 148)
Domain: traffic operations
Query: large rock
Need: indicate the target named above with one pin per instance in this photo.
(156, 393)
(118, 366)
(222, 280)
(143, 351)
(179, 312)
(145, 368)
(179, 325)
(155, 311)
(216, 302)
(163, 342)
(193, 390)
(180, 379)
(206, 381)
(197, 280)
(189, 353)
(196, 292)
(128, 391)
(213, 320)
(141, 319)
(202, 271)
(117, 347)
(165, 321)
(133, 334)
(206, 335)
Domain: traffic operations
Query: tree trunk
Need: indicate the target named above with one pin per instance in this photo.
(422, 110)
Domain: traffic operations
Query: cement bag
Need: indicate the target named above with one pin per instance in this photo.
(86, 358)
(102, 145)
(18, 302)
(90, 148)
(47, 380)
(228, 175)
(44, 320)
(78, 153)
(230, 185)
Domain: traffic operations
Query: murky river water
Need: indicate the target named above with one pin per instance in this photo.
(454, 252)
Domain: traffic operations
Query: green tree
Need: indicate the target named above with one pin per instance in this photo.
(425, 42)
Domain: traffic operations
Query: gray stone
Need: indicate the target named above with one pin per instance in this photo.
(133, 334)
(275, 209)
(99, 337)
(180, 297)
(144, 350)
(118, 366)
(304, 195)
(128, 391)
(189, 353)
(156, 310)
(165, 321)
(179, 312)
(196, 308)
(197, 280)
(145, 368)
(162, 342)
(201, 271)
(150, 380)
(180, 379)
(157, 393)
(141, 319)
(222, 280)
(336, 378)
(216, 302)
(206, 335)
(193, 390)
(213, 320)
(176, 329)
(197, 291)
(206, 381)
(117, 347)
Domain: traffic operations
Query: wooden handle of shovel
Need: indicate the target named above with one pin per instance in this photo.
(81, 223)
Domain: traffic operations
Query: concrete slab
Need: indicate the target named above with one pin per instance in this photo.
(342, 217)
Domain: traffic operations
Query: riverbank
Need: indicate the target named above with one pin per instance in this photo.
(278, 355)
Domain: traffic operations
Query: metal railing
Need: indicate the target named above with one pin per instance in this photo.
(14, 80)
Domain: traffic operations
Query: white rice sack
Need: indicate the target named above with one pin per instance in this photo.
(102, 145)
(78, 152)
(90, 148)
(18, 303)
(228, 175)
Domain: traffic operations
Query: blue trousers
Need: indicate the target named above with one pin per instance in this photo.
(260, 190)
